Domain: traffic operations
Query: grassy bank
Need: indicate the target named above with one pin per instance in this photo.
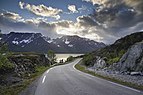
(83, 69)
(16, 89)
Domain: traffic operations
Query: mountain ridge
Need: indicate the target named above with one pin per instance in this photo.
(36, 42)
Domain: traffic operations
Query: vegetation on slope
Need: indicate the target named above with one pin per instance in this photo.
(115, 51)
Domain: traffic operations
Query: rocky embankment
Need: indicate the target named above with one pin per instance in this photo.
(128, 69)
(132, 60)
(24, 66)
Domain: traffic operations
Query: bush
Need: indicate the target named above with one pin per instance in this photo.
(70, 58)
(88, 60)
(113, 60)
(52, 56)
(5, 64)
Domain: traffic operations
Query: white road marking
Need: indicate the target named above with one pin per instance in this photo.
(124, 86)
(43, 79)
(111, 82)
(81, 73)
(47, 71)
(45, 75)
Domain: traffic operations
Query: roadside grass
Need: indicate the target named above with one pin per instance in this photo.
(82, 68)
(16, 89)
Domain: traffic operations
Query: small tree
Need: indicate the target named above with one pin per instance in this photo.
(70, 58)
(88, 60)
(52, 56)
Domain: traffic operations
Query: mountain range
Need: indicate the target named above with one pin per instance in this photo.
(36, 42)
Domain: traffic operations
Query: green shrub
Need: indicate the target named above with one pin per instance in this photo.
(4, 63)
(70, 58)
(88, 60)
(113, 60)
(52, 56)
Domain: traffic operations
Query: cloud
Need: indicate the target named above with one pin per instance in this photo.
(41, 10)
(116, 18)
(84, 26)
(109, 21)
(137, 4)
(72, 8)
(86, 21)
(11, 15)
(96, 1)
(21, 4)
(18, 24)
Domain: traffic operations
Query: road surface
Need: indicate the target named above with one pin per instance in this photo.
(66, 80)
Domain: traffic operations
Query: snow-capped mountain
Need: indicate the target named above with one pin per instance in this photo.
(36, 42)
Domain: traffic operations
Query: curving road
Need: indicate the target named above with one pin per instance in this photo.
(66, 80)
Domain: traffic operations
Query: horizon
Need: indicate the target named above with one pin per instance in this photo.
(76, 35)
(103, 21)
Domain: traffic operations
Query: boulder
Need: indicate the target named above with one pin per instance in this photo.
(100, 63)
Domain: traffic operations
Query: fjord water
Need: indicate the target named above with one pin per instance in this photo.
(65, 56)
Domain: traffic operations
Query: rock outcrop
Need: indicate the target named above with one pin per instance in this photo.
(132, 60)
(26, 64)
(99, 63)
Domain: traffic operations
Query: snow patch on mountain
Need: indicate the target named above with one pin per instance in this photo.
(15, 42)
(67, 42)
(26, 41)
(58, 46)
(50, 41)
(70, 45)
(15, 38)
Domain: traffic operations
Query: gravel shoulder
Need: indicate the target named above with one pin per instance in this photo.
(135, 79)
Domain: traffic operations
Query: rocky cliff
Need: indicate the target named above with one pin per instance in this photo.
(132, 60)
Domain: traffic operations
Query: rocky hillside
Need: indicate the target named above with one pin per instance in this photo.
(115, 51)
(36, 42)
(125, 54)
(122, 61)
(132, 60)
(23, 65)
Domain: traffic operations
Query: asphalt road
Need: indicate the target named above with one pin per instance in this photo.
(66, 80)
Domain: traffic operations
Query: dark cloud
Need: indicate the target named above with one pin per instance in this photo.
(7, 25)
(86, 21)
(116, 18)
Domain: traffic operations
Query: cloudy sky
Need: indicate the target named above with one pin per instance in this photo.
(99, 20)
